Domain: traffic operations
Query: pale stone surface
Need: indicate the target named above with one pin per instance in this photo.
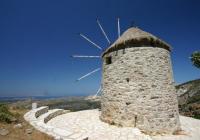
(83, 124)
(18, 126)
(39, 122)
(34, 105)
(138, 90)
(86, 124)
(4, 132)
(56, 112)
(190, 127)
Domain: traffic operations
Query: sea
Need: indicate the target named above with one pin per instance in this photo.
(14, 99)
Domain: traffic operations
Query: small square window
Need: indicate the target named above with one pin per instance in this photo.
(127, 80)
(108, 60)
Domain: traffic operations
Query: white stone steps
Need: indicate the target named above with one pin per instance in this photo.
(30, 116)
(40, 116)
(50, 114)
(41, 111)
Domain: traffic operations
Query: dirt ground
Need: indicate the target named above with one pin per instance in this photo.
(20, 133)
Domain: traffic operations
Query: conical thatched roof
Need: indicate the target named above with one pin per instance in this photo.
(136, 37)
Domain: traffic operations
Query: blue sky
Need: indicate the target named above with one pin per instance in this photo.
(37, 38)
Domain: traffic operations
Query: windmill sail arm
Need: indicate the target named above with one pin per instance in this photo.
(104, 33)
(88, 74)
(85, 56)
(118, 26)
(86, 38)
(98, 91)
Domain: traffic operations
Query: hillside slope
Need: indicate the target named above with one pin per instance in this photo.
(189, 98)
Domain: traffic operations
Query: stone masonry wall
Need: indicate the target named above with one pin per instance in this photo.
(138, 90)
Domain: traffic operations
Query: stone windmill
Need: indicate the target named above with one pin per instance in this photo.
(137, 84)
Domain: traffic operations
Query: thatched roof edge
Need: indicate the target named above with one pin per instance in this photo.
(134, 37)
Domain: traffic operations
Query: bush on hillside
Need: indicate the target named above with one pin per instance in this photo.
(195, 58)
(5, 114)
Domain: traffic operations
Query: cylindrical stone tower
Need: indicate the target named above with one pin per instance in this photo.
(137, 85)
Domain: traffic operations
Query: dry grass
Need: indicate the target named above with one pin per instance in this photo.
(20, 133)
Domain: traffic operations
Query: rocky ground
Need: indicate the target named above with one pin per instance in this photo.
(19, 129)
(189, 98)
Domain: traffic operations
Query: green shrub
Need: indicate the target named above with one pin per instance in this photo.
(5, 117)
(195, 58)
(4, 108)
(5, 114)
(197, 116)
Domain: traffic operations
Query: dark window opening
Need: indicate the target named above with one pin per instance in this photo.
(123, 51)
(135, 120)
(127, 80)
(108, 60)
(128, 103)
(116, 53)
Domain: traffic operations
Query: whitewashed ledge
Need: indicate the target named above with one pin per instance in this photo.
(86, 125)
(39, 117)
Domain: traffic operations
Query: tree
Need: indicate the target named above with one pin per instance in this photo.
(195, 58)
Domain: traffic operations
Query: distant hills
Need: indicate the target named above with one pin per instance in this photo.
(189, 98)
